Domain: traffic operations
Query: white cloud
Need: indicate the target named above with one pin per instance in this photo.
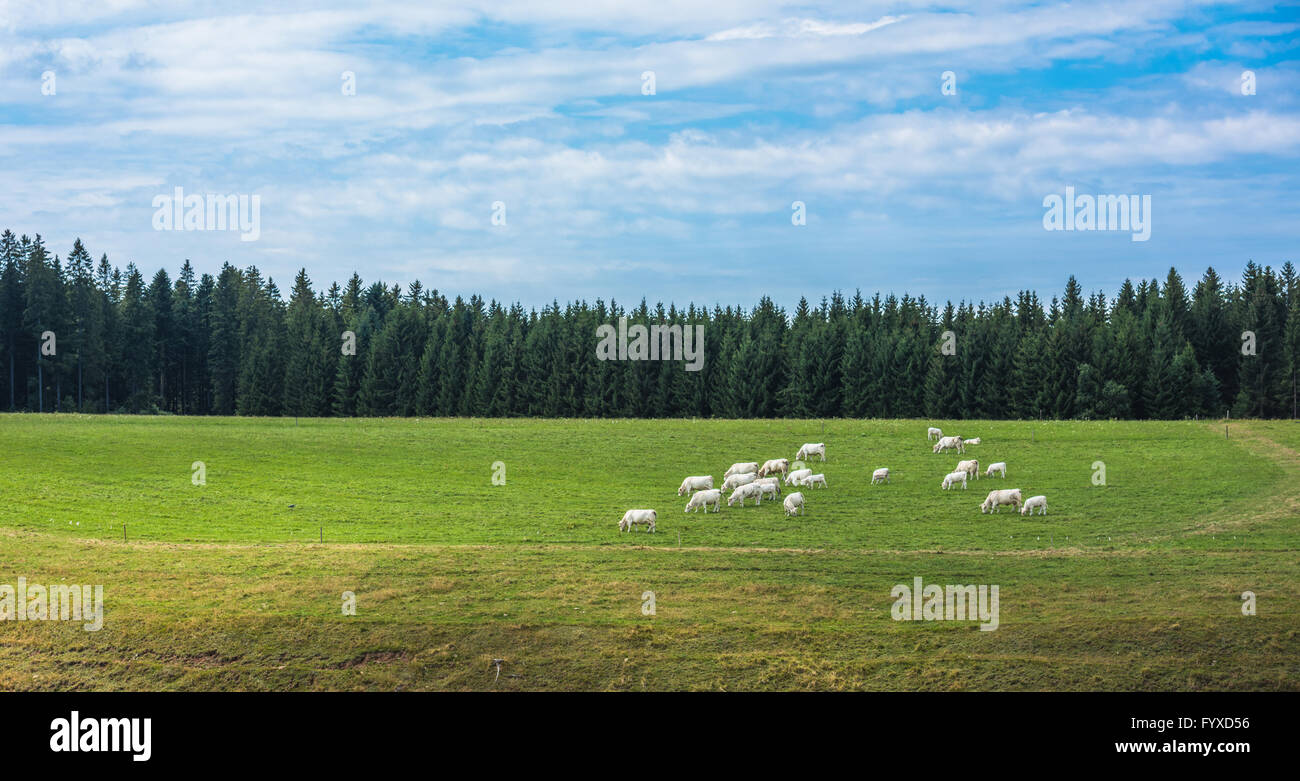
(801, 28)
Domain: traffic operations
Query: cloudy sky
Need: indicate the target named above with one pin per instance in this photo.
(681, 195)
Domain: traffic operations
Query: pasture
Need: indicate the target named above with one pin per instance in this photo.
(1134, 584)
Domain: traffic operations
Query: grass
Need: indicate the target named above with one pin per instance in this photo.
(1132, 585)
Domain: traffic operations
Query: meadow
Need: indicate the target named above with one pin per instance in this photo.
(1131, 584)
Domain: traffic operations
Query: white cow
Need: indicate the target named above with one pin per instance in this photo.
(797, 476)
(973, 441)
(638, 518)
(737, 480)
(952, 479)
(794, 504)
(776, 481)
(711, 496)
(1035, 502)
(996, 499)
(740, 468)
(1000, 466)
(811, 449)
(773, 466)
(697, 483)
(746, 491)
(949, 443)
(881, 475)
(933, 433)
(815, 480)
(766, 488)
(971, 468)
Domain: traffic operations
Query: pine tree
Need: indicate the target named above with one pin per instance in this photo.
(308, 376)
(1262, 380)
(136, 339)
(224, 356)
(13, 299)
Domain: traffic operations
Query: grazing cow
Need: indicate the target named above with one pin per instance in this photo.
(996, 499)
(815, 480)
(1035, 503)
(1000, 466)
(740, 468)
(971, 468)
(765, 488)
(638, 518)
(952, 479)
(744, 492)
(881, 475)
(949, 443)
(774, 466)
(794, 504)
(776, 481)
(811, 449)
(711, 496)
(737, 480)
(698, 483)
(933, 433)
(797, 476)
(973, 441)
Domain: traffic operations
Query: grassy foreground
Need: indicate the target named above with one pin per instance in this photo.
(1135, 584)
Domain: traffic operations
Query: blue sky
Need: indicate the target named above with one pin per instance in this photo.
(683, 195)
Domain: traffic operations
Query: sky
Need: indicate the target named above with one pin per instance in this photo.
(517, 149)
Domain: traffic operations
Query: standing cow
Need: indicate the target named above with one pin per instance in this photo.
(949, 443)
(996, 499)
(711, 496)
(811, 449)
(740, 468)
(632, 518)
(697, 483)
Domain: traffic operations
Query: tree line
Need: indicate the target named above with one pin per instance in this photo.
(78, 335)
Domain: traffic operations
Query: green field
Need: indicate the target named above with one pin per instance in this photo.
(1135, 584)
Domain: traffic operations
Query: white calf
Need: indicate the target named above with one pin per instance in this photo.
(1035, 502)
(815, 480)
(1000, 466)
(711, 496)
(811, 449)
(796, 477)
(996, 499)
(952, 479)
(698, 483)
(881, 475)
(971, 468)
(739, 468)
(744, 492)
(973, 441)
(638, 518)
(794, 504)
(773, 466)
(949, 443)
(737, 480)
(768, 488)
(933, 433)
(776, 481)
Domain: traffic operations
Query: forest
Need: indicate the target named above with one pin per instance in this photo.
(79, 335)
